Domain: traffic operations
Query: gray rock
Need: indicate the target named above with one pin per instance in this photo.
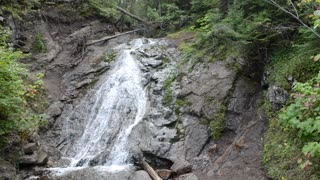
(140, 175)
(40, 158)
(30, 148)
(277, 97)
(29, 160)
(196, 137)
(181, 167)
(189, 176)
(55, 109)
(97, 173)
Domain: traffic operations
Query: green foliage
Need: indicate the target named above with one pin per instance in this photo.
(283, 157)
(17, 8)
(14, 113)
(168, 96)
(291, 62)
(38, 46)
(216, 122)
(303, 114)
(110, 57)
(105, 8)
(216, 125)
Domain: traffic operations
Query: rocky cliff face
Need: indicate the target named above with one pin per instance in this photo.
(188, 108)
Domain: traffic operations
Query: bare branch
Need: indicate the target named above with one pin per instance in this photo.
(293, 15)
(294, 7)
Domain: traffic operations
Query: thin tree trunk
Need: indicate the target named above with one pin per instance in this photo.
(111, 37)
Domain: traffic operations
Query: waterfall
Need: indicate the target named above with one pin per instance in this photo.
(115, 108)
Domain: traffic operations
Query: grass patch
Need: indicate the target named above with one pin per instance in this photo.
(283, 157)
(291, 62)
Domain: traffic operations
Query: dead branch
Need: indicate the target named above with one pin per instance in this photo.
(272, 2)
(150, 170)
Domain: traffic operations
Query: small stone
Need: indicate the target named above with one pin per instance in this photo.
(181, 167)
(165, 173)
(30, 148)
(55, 109)
(42, 158)
(189, 176)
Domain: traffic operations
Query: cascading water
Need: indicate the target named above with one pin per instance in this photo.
(115, 108)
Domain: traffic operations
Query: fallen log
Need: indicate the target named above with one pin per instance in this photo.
(106, 38)
(150, 170)
(132, 15)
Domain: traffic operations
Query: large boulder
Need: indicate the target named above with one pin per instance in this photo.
(196, 137)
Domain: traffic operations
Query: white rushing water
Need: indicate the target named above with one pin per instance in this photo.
(119, 105)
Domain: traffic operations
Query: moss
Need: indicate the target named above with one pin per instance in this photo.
(110, 57)
(282, 155)
(216, 122)
(291, 62)
(168, 97)
(38, 45)
(179, 104)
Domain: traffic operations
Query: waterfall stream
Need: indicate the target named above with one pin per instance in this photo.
(109, 114)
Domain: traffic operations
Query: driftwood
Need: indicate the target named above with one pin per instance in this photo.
(106, 38)
(150, 170)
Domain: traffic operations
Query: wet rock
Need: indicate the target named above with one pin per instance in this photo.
(98, 173)
(165, 173)
(140, 175)
(277, 97)
(181, 167)
(7, 170)
(30, 148)
(189, 176)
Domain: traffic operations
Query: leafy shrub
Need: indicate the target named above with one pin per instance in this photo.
(282, 154)
(14, 111)
(38, 45)
(303, 115)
